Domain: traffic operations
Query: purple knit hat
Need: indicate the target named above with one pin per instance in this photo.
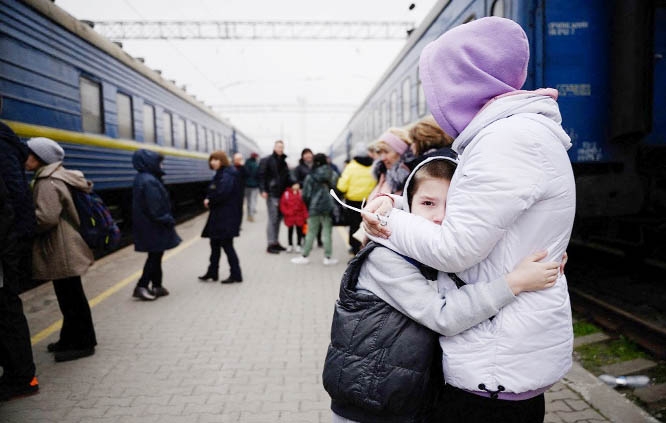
(469, 65)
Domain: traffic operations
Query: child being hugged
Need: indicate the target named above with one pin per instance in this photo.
(384, 360)
(295, 214)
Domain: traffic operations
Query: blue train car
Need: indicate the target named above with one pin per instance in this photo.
(62, 80)
(606, 59)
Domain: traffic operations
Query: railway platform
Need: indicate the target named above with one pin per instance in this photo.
(243, 352)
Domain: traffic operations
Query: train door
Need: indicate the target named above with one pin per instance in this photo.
(573, 56)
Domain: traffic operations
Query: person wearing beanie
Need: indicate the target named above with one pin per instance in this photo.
(356, 183)
(17, 227)
(57, 226)
(393, 150)
(153, 224)
(512, 194)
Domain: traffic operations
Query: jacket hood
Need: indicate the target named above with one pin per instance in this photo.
(364, 160)
(441, 154)
(147, 161)
(539, 105)
(322, 173)
(73, 178)
(470, 64)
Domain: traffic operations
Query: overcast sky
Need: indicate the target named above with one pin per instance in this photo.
(299, 73)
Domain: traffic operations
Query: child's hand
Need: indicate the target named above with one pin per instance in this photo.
(531, 275)
(206, 202)
(381, 205)
(565, 258)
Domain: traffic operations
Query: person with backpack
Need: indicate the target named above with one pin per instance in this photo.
(153, 224)
(59, 252)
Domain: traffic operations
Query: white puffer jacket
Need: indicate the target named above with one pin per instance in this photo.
(513, 194)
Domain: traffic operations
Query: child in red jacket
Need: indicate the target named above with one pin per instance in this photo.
(295, 214)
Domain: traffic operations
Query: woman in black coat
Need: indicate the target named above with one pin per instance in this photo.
(224, 199)
(153, 225)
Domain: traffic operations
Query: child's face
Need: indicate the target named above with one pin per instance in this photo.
(430, 199)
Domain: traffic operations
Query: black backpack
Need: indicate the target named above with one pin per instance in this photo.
(97, 227)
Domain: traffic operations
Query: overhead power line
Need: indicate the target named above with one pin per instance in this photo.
(333, 108)
(257, 30)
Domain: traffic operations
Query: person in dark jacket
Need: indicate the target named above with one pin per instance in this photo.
(304, 166)
(17, 226)
(320, 205)
(153, 225)
(251, 169)
(224, 199)
(274, 178)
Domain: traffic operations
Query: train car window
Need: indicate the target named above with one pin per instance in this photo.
(497, 9)
(378, 120)
(205, 146)
(191, 135)
(91, 106)
(179, 132)
(167, 128)
(148, 124)
(420, 98)
(386, 116)
(406, 100)
(394, 108)
(125, 121)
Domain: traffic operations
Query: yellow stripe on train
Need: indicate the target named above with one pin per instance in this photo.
(26, 130)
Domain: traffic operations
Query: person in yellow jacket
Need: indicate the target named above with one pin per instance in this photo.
(356, 183)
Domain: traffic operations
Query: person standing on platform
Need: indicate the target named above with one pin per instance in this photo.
(274, 178)
(320, 205)
(393, 149)
(240, 168)
(514, 193)
(295, 214)
(59, 253)
(304, 166)
(153, 224)
(251, 169)
(17, 226)
(224, 199)
(356, 183)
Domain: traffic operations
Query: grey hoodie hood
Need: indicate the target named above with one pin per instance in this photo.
(410, 178)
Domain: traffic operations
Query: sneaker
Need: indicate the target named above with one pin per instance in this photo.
(160, 291)
(330, 261)
(300, 260)
(69, 355)
(143, 293)
(272, 250)
(297, 249)
(290, 248)
(10, 389)
(279, 247)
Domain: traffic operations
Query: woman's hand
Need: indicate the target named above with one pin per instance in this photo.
(531, 275)
(379, 206)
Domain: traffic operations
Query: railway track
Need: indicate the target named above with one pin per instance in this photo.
(646, 334)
